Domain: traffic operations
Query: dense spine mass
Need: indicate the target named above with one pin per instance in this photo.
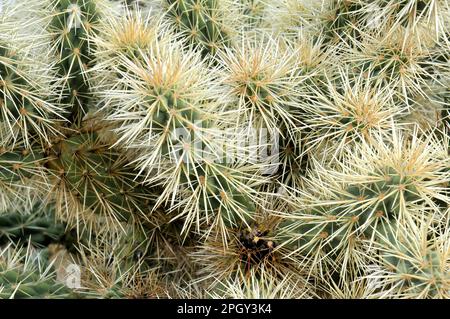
(28, 277)
(94, 180)
(27, 108)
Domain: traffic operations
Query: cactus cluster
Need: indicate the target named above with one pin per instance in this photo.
(224, 149)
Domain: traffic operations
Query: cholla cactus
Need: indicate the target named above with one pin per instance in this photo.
(27, 95)
(206, 24)
(93, 180)
(252, 250)
(255, 12)
(375, 186)
(168, 116)
(412, 15)
(224, 149)
(22, 174)
(414, 262)
(125, 35)
(116, 265)
(393, 61)
(70, 25)
(345, 110)
(37, 227)
(263, 81)
(288, 17)
(26, 274)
